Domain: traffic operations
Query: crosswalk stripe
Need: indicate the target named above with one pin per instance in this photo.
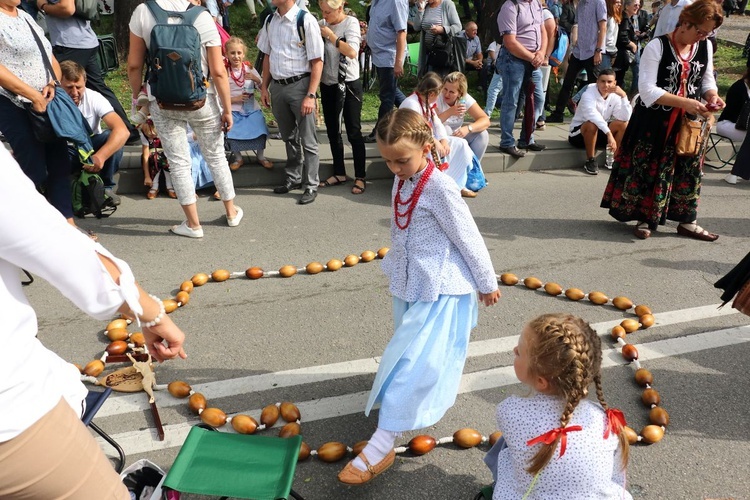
(324, 408)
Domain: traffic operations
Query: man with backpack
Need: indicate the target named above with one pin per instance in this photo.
(181, 57)
(95, 108)
(73, 40)
(290, 39)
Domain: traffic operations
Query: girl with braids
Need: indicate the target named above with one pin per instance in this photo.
(436, 263)
(557, 443)
(454, 151)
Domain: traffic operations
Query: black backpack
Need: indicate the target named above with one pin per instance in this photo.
(266, 17)
(89, 197)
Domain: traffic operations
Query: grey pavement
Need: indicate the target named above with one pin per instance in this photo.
(541, 223)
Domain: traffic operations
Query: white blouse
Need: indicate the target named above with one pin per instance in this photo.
(33, 379)
(438, 129)
(441, 252)
(649, 69)
(589, 470)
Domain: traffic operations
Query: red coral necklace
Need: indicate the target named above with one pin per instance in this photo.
(411, 203)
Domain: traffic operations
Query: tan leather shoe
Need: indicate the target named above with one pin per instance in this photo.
(467, 193)
(352, 475)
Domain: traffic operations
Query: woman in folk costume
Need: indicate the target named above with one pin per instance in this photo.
(437, 262)
(649, 182)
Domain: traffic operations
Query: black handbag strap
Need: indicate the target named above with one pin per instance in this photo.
(45, 58)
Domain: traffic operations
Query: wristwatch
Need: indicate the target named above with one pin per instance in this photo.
(470, 129)
(311, 95)
(599, 49)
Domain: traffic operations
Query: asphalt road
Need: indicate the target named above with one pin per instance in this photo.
(314, 340)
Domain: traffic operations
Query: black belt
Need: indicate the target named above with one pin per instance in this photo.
(291, 79)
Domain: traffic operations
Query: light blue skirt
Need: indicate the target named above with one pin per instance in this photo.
(420, 372)
(201, 174)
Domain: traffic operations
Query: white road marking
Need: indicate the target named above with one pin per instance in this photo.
(334, 371)
(144, 441)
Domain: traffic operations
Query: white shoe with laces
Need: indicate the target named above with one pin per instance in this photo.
(235, 221)
(731, 179)
(187, 231)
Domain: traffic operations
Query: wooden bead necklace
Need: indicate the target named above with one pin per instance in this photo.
(124, 343)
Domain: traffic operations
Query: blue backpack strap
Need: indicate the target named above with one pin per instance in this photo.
(301, 26)
(162, 16)
(159, 14)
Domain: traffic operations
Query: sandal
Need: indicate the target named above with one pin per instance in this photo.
(356, 188)
(152, 193)
(641, 231)
(352, 475)
(217, 196)
(333, 180)
(698, 233)
(265, 163)
(172, 194)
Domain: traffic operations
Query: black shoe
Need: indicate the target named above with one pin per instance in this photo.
(590, 167)
(370, 139)
(554, 117)
(534, 147)
(513, 151)
(286, 188)
(307, 197)
(134, 139)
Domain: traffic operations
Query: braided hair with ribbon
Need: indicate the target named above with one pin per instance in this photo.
(567, 353)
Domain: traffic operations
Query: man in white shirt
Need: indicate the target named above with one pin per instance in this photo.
(292, 70)
(95, 108)
(668, 17)
(601, 118)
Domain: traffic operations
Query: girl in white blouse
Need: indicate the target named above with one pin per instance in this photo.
(437, 262)
(556, 443)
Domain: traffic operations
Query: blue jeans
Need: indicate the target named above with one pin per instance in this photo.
(46, 164)
(494, 90)
(512, 71)
(111, 166)
(390, 93)
(634, 68)
(536, 77)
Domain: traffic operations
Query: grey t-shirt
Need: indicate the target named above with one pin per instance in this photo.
(71, 32)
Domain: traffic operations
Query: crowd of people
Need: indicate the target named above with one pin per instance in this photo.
(433, 143)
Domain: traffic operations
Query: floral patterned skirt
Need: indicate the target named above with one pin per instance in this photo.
(649, 182)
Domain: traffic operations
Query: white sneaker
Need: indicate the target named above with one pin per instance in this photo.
(235, 221)
(731, 179)
(185, 230)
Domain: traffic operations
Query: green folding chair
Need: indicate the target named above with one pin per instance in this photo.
(235, 465)
(412, 61)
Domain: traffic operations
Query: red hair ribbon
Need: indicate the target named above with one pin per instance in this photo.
(551, 436)
(615, 421)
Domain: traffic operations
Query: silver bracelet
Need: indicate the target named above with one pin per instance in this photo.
(158, 317)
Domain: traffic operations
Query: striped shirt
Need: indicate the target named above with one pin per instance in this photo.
(278, 38)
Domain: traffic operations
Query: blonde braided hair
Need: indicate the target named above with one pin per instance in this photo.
(566, 351)
(405, 124)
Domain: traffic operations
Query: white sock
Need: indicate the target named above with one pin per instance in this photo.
(379, 445)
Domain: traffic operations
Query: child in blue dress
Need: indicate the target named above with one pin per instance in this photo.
(436, 264)
(249, 131)
(557, 444)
